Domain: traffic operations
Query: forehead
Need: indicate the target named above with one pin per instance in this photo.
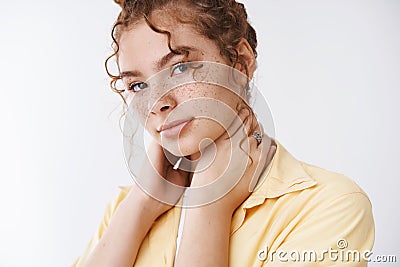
(141, 45)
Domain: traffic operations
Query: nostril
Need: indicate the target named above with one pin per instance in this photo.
(164, 108)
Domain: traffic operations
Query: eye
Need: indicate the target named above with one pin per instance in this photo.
(136, 87)
(179, 68)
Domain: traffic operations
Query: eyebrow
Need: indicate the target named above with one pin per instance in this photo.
(161, 63)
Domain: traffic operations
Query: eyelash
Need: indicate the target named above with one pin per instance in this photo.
(180, 64)
(131, 86)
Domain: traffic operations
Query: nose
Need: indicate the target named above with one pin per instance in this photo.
(165, 104)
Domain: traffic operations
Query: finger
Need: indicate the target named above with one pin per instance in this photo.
(177, 177)
(261, 159)
(237, 130)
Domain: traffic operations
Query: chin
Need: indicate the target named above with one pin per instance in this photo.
(181, 149)
(193, 139)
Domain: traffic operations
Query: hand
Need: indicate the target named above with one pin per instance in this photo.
(156, 179)
(235, 168)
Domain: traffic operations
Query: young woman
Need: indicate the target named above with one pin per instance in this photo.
(214, 190)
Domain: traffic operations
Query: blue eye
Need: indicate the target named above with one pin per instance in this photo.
(136, 87)
(179, 68)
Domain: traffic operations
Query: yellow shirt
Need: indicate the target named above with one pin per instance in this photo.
(299, 215)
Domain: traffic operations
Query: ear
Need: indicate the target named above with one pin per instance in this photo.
(246, 53)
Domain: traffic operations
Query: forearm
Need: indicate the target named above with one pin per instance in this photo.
(205, 238)
(121, 241)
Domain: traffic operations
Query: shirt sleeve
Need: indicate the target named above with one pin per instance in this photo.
(340, 232)
(109, 212)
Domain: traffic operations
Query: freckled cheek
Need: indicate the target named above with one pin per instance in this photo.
(197, 90)
(224, 97)
(192, 100)
(205, 128)
(139, 104)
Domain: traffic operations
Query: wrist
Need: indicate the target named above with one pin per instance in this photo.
(140, 202)
(214, 210)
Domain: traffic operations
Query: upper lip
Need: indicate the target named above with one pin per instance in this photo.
(172, 124)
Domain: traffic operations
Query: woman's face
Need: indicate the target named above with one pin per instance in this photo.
(181, 117)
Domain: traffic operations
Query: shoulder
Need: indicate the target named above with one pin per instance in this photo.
(334, 185)
(312, 191)
(288, 175)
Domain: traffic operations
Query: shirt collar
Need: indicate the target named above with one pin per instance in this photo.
(285, 174)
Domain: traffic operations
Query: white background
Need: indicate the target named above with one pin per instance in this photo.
(329, 70)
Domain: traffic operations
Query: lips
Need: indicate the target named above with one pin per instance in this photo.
(173, 128)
